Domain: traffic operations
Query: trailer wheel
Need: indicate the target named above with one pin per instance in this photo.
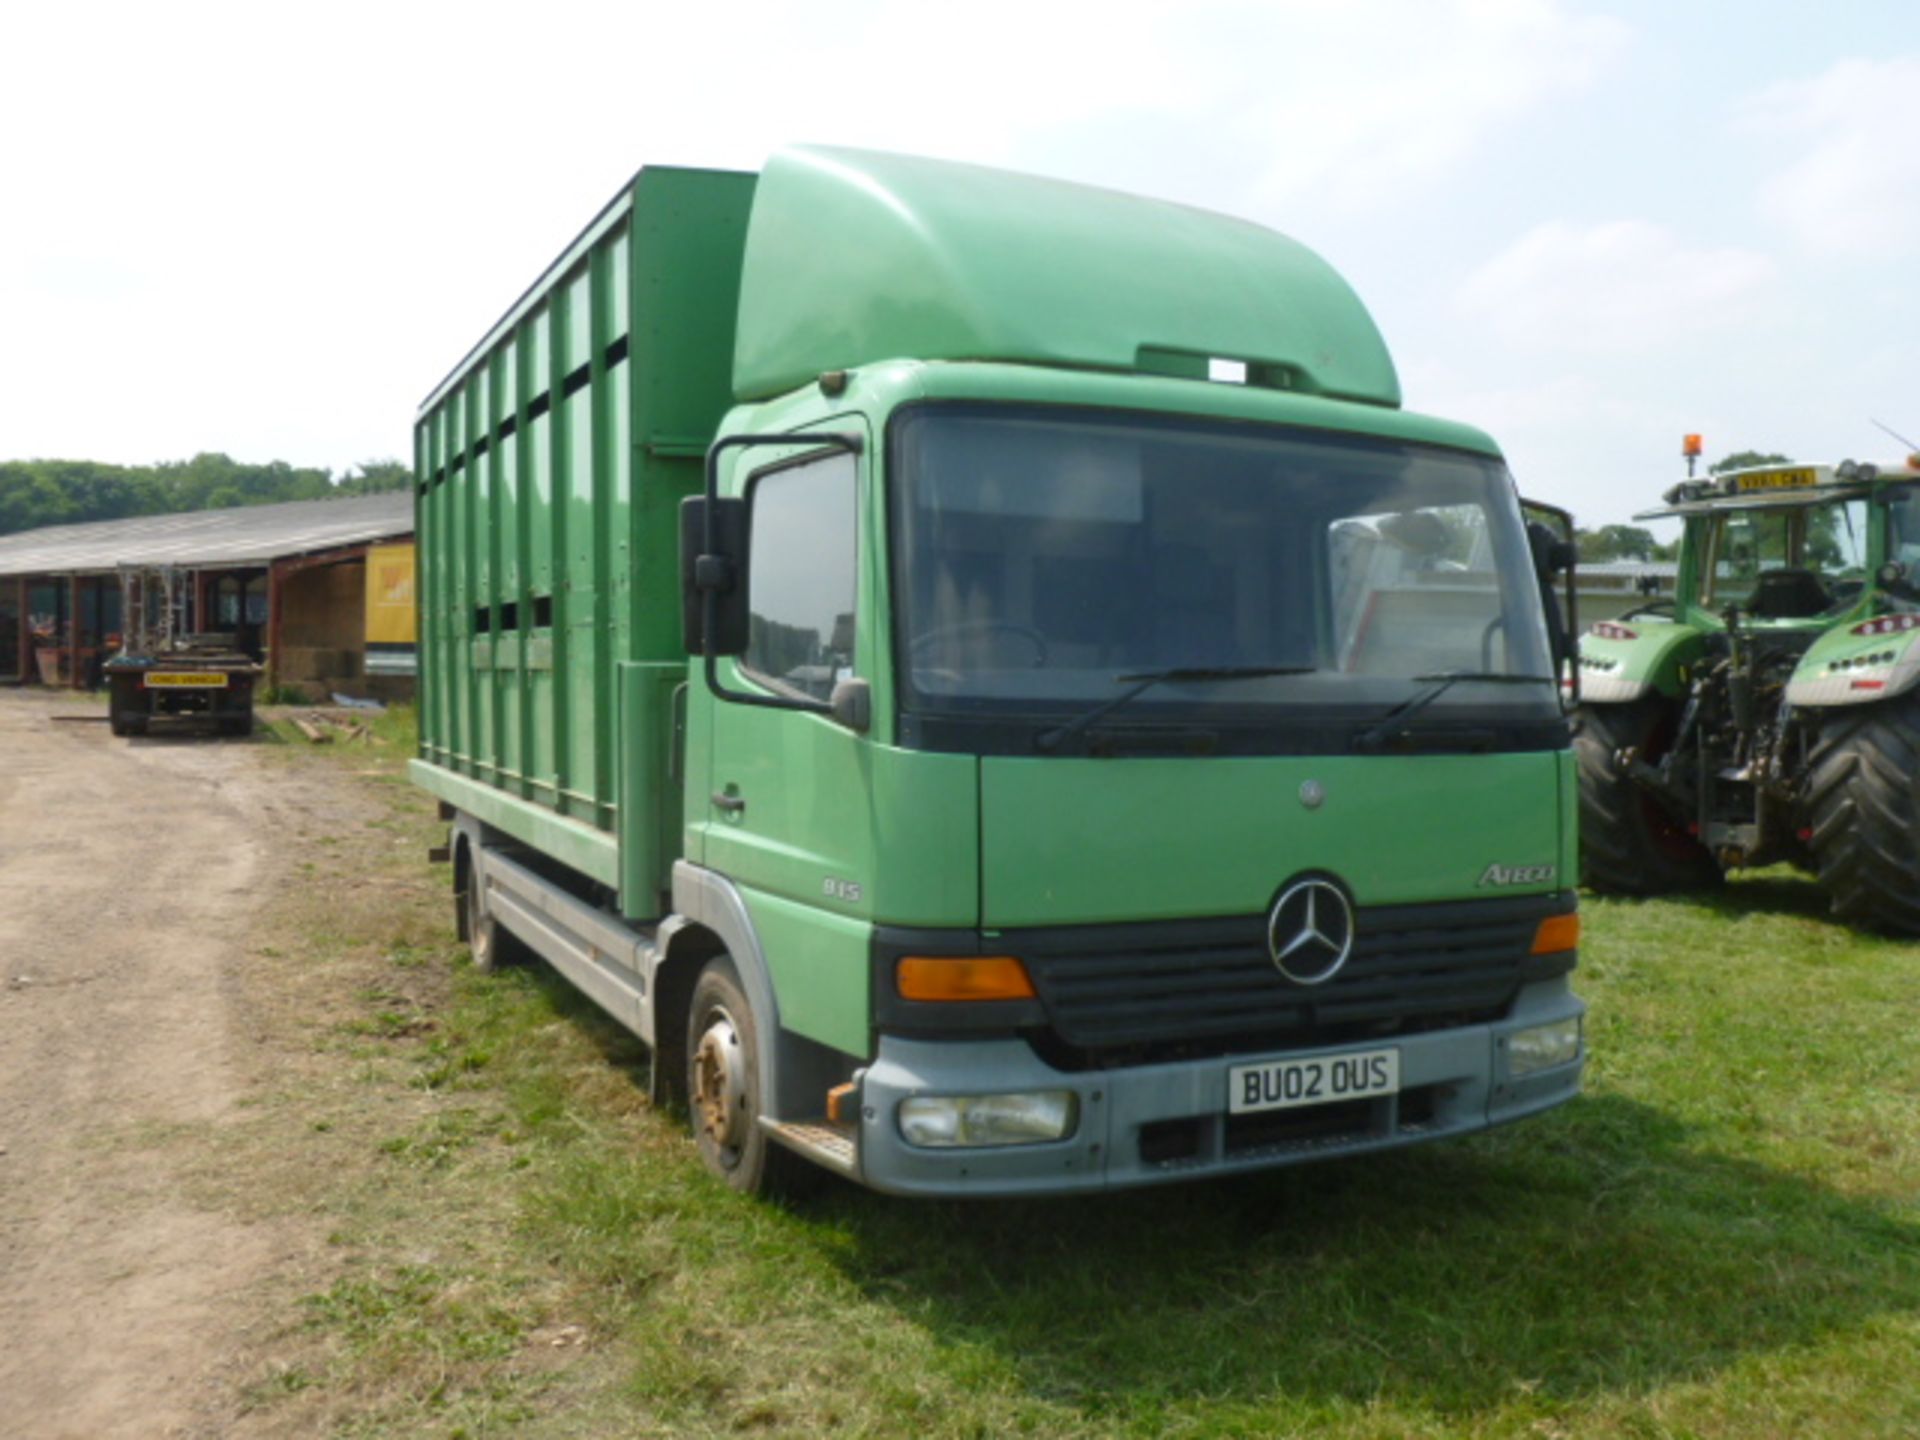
(723, 1089)
(1863, 802)
(490, 943)
(1629, 844)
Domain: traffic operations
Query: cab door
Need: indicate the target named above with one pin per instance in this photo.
(788, 818)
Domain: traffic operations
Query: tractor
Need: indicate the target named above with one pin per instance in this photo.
(1770, 711)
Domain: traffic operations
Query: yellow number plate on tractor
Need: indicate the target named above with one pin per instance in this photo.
(185, 680)
(1795, 479)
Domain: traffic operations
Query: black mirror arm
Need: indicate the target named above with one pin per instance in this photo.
(1562, 555)
(714, 573)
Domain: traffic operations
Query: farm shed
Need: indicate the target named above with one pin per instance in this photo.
(289, 582)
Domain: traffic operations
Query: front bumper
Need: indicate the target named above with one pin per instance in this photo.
(1157, 1123)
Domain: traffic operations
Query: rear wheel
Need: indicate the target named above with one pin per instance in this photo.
(1629, 843)
(491, 944)
(723, 1089)
(1863, 800)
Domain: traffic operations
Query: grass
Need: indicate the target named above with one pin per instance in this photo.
(1722, 1238)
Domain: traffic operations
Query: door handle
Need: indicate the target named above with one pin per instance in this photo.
(731, 803)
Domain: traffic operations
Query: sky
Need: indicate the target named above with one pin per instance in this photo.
(269, 230)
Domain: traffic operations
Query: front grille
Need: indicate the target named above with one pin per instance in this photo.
(1188, 988)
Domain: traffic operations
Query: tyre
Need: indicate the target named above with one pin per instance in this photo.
(237, 724)
(723, 1089)
(1863, 805)
(490, 943)
(1629, 843)
(117, 722)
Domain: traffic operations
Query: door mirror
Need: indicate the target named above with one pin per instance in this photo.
(852, 704)
(720, 573)
(1550, 536)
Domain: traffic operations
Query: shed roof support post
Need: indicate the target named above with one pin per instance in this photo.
(75, 680)
(25, 644)
(276, 590)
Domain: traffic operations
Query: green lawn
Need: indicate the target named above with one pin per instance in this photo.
(1721, 1238)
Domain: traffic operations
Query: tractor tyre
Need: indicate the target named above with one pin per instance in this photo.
(1863, 803)
(1629, 843)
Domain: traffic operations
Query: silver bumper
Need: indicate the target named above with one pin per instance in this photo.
(1452, 1082)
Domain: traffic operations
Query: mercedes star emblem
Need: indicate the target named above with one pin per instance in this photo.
(1310, 931)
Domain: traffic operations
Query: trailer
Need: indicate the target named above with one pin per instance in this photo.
(168, 674)
(983, 677)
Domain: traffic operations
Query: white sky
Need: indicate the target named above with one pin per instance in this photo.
(270, 229)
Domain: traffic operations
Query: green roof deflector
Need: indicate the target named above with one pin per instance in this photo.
(856, 256)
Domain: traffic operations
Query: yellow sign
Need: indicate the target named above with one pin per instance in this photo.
(390, 612)
(182, 680)
(1795, 479)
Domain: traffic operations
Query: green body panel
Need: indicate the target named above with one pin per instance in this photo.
(819, 963)
(958, 262)
(1569, 817)
(1657, 657)
(550, 466)
(1084, 841)
(650, 789)
(589, 851)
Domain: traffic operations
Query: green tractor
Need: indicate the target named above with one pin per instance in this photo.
(1770, 712)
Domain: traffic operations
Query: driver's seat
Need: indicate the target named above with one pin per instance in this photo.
(1788, 595)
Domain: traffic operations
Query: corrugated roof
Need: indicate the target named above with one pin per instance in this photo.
(248, 535)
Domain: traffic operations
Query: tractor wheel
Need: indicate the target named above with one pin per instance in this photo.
(723, 1090)
(1629, 843)
(1863, 802)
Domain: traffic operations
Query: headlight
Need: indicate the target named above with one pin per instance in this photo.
(949, 1121)
(1541, 1047)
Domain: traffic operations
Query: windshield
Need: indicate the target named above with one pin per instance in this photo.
(1046, 558)
(1788, 564)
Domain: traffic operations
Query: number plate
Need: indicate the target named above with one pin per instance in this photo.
(185, 680)
(1323, 1080)
(1795, 479)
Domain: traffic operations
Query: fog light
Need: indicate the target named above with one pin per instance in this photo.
(1541, 1047)
(950, 1121)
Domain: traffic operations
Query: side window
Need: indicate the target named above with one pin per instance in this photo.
(801, 577)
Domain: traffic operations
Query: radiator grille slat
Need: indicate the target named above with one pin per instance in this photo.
(1177, 982)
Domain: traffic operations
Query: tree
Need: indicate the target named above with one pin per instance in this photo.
(377, 477)
(1742, 459)
(1616, 542)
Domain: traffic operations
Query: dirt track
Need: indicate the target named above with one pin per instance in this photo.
(129, 873)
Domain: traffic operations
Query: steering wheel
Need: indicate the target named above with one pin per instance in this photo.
(983, 627)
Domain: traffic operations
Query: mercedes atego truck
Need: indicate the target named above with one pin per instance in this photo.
(984, 678)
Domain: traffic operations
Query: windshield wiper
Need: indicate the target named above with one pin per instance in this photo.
(1146, 680)
(1394, 722)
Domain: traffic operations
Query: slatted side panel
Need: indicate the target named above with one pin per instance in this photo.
(550, 467)
(524, 476)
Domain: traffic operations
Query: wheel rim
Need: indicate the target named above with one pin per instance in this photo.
(479, 937)
(719, 1085)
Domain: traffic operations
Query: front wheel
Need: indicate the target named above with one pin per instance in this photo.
(1863, 801)
(723, 1089)
(1629, 844)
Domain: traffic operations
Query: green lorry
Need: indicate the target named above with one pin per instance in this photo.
(1767, 714)
(981, 675)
